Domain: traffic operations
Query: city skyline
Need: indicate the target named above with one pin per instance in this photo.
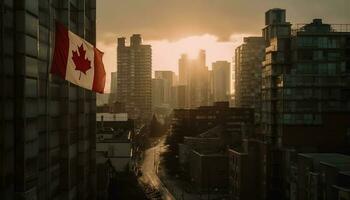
(219, 35)
(171, 127)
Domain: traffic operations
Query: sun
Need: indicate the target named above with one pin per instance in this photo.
(167, 53)
(191, 45)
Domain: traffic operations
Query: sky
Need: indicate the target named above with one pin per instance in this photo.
(174, 27)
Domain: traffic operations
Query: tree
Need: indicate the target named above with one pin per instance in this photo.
(156, 128)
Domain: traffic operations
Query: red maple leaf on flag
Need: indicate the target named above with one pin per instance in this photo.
(81, 63)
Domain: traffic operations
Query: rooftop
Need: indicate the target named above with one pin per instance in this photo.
(111, 117)
(317, 26)
(340, 161)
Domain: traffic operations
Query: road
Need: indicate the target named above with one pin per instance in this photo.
(149, 167)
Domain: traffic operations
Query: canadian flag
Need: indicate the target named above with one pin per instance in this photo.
(77, 61)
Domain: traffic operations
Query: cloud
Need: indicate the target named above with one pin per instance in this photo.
(221, 24)
(174, 19)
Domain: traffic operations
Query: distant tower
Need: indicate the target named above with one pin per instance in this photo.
(221, 71)
(183, 69)
(134, 79)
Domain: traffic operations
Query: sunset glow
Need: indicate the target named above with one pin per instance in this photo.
(165, 53)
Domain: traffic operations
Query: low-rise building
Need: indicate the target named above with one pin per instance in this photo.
(243, 170)
(114, 148)
(201, 144)
(208, 171)
(322, 176)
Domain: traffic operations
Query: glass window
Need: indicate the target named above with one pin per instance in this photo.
(332, 43)
(333, 55)
(31, 24)
(32, 6)
(31, 46)
(287, 118)
(31, 86)
(323, 68)
(305, 42)
(322, 42)
(318, 55)
(31, 109)
(332, 68)
(31, 67)
(55, 108)
(43, 51)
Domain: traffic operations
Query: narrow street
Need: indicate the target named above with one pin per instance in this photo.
(149, 168)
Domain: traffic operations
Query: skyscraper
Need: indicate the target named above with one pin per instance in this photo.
(169, 80)
(158, 92)
(305, 92)
(47, 139)
(248, 64)
(134, 68)
(221, 75)
(179, 99)
(194, 74)
(184, 64)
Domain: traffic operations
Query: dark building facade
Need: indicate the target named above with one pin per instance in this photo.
(221, 80)
(248, 59)
(134, 77)
(192, 122)
(47, 140)
(195, 75)
(305, 91)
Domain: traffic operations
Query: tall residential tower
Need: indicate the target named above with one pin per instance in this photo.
(248, 64)
(47, 125)
(305, 92)
(134, 79)
(221, 79)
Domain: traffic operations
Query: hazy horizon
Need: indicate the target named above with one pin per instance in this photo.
(180, 26)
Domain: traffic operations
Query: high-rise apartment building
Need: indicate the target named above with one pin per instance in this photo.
(221, 79)
(179, 97)
(135, 77)
(184, 65)
(194, 74)
(248, 64)
(305, 92)
(47, 125)
(166, 75)
(158, 92)
(169, 81)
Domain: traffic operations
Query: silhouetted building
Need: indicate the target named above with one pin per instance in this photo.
(102, 99)
(323, 176)
(305, 95)
(134, 79)
(158, 92)
(209, 172)
(207, 132)
(169, 81)
(235, 121)
(47, 125)
(114, 149)
(244, 170)
(184, 65)
(179, 97)
(221, 80)
(248, 64)
(194, 74)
